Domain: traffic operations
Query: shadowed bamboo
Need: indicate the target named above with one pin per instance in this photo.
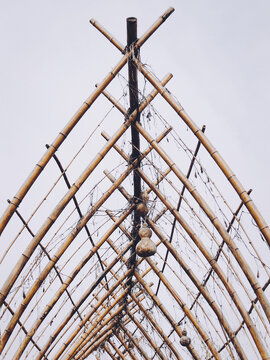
(17, 199)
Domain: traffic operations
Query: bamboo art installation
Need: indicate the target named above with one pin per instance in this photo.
(154, 251)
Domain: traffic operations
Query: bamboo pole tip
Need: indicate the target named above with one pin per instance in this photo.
(92, 21)
(168, 13)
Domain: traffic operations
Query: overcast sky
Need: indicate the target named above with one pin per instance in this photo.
(218, 52)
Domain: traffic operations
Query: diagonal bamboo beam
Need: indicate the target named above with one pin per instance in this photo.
(123, 342)
(179, 204)
(153, 296)
(215, 266)
(116, 349)
(215, 221)
(63, 172)
(31, 247)
(217, 269)
(147, 337)
(238, 187)
(146, 313)
(106, 348)
(87, 341)
(17, 199)
(185, 309)
(134, 341)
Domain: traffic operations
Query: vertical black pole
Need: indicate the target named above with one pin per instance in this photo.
(134, 104)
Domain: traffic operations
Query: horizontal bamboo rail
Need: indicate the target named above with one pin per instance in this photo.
(17, 199)
(215, 221)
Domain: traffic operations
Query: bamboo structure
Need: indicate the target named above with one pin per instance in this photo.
(80, 289)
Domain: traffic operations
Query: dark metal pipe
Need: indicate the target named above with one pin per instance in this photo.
(135, 139)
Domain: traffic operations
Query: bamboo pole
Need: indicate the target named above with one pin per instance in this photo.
(212, 262)
(135, 342)
(200, 287)
(142, 39)
(48, 223)
(147, 337)
(129, 351)
(109, 352)
(185, 309)
(238, 187)
(215, 221)
(85, 343)
(220, 315)
(17, 199)
(116, 349)
(146, 313)
(64, 286)
(216, 267)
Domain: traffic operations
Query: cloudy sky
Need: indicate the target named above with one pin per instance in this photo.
(218, 52)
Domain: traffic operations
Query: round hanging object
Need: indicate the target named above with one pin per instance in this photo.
(146, 247)
(142, 209)
(145, 231)
(185, 340)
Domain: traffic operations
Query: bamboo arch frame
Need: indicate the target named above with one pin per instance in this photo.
(113, 314)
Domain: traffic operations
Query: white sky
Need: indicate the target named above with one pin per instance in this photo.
(218, 52)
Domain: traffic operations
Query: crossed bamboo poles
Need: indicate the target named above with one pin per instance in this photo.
(154, 144)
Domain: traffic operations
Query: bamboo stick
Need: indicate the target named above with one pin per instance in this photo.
(142, 39)
(17, 199)
(147, 337)
(116, 349)
(166, 313)
(220, 315)
(135, 342)
(129, 351)
(85, 343)
(196, 282)
(231, 291)
(185, 309)
(40, 234)
(215, 221)
(109, 352)
(147, 314)
(216, 268)
(264, 228)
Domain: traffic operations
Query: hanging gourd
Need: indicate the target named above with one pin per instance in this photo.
(142, 209)
(145, 247)
(185, 340)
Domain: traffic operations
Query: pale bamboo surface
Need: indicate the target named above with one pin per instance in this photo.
(79, 291)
